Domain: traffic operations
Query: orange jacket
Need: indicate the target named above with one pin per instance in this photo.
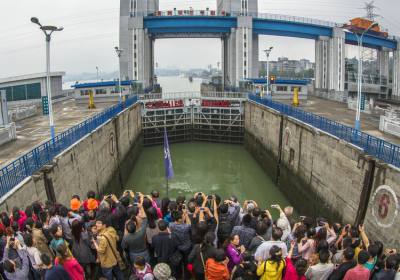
(216, 270)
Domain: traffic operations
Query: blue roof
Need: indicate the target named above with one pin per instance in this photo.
(282, 81)
(104, 84)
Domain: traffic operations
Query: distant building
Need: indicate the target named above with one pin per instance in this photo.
(29, 89)
(106, 91)
(285, 65)
(281, 89)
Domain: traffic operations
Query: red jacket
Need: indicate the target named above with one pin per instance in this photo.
(21, 220)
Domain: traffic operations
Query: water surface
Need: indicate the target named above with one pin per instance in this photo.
(223, 169)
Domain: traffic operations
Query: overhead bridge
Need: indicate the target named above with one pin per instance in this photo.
(190, 25)
(239, 24)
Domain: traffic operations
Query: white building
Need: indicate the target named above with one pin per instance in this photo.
(107, 91)
(29, 89)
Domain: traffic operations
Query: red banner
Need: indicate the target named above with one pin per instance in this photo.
(215, 103)
(164, 104)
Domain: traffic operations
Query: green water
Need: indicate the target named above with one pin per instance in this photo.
(207, 167)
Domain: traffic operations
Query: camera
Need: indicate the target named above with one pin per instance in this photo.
(210, 197)
(199, 193)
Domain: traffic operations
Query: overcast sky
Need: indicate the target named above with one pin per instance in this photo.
(91, 32)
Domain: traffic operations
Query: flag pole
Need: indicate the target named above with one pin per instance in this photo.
(167, 188)
(169, 172)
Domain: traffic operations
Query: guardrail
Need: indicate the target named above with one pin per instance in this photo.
(235, 14)
(192, 95)
(15, 172)
(371, 145)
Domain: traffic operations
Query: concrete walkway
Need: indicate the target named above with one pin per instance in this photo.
(339, 112)
(35, 130)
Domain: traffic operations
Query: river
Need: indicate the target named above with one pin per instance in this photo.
(178, 84)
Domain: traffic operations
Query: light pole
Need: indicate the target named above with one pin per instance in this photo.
(357, 124)
(267, 53)
(119, 53)
(97, 70)
(48, 30)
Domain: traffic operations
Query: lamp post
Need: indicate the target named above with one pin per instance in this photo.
(97, 75)
(119, 53)
(48, 30)
(357, 124)
(267, 53)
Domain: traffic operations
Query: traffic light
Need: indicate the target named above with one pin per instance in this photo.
(45, 105)
(272, 79)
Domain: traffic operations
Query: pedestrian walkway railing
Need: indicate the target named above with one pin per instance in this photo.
(15, 172)
(371, 145)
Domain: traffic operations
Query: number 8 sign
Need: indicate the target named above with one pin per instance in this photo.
(385, 206)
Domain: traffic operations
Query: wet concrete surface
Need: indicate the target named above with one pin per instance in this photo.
(339, 112)
(35, 130)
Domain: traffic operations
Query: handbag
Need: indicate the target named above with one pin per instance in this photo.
(120, 261)
(176, 258)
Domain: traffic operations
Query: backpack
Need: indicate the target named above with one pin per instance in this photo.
(137, 275)
(224, 229)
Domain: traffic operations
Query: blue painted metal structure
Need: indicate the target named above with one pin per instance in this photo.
(223, 24)
(189, 24)
(281, 81)
(15, 172)
(104, 84)
(371, 145)
(290, 29)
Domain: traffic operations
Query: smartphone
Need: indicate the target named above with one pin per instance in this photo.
(199, 193)
(210, 196)
(201, 208)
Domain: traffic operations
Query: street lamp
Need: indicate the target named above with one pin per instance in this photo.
(119, 53)
(267, 53)
(48, 30)
(97, 70)
(357, 124)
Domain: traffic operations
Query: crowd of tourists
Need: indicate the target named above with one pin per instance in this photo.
(202, 237)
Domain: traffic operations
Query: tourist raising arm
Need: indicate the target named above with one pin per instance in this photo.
(363, 236)
(266, 211)
(186, 218)
(215, 208)
(331, 234)
(342, 235)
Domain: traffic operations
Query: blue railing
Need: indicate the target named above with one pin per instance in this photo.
(371, 145)
(15, 172)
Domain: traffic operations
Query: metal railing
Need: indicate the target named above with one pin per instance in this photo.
(192, 95)
(235, 14)
(15, 172)
(371, 145)
(296, 19)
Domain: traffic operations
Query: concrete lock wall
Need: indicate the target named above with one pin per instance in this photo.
(382, 219)
(97, 161)
(320, 174)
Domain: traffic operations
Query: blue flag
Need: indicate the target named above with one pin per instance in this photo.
(169, 171)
